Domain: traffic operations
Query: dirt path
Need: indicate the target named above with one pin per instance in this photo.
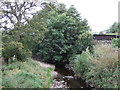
(42, 64)
(45, 65)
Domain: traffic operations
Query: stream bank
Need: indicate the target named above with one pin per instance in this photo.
(65, 78)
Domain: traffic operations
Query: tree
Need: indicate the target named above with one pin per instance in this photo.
(32, 32)
(17, 41)
(15, 13)
(35, 29)
(67, 35)
(16, 50)
(60, 8)
(114, 28)
(101, 32)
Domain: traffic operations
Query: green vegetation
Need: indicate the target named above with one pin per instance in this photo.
(28, 74)
(99, 68)
(15, 49)
(114, 28)
(79, 64)
(54, 34)
(116, 42)
(67, 34)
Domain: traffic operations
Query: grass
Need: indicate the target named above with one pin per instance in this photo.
(100, 68)
(28, 74)
(104, 55)
(103, 68)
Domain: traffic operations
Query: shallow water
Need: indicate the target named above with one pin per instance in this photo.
(68, 76)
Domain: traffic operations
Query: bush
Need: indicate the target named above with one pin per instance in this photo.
(116, 42)
(100, 68)
(16, 49)
(79, 64)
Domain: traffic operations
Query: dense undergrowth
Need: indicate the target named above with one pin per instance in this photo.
(28, 74)
(100, 68)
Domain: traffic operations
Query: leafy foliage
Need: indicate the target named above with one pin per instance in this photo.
(30, 34)
(116, 42)
(100, 68)
(60, 8)
(67, 34)
(16, 49)
(80, 64)
(35, 29)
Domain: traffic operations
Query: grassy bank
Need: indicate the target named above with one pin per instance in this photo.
(99, 68)
(28, 74)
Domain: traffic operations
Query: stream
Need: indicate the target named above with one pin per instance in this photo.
(66, 79)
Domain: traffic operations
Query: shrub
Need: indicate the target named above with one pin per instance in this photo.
(116, 42)
(79, 64)
(16, 49)
(100, 68)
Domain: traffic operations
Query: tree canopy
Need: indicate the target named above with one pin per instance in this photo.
(67, 34)
(54, 33)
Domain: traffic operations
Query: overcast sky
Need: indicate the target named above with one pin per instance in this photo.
(101, 14)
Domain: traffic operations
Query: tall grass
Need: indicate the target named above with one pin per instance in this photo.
(100, 68)
(104, 56)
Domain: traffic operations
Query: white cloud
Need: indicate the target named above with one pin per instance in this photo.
(101, 14)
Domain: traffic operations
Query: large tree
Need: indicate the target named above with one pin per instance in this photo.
(15, 13)
(33, 31)
(29, 35)
(67, 34)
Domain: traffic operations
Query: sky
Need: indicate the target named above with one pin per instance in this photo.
(101, 14)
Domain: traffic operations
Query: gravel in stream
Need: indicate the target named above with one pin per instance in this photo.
(59, 84)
